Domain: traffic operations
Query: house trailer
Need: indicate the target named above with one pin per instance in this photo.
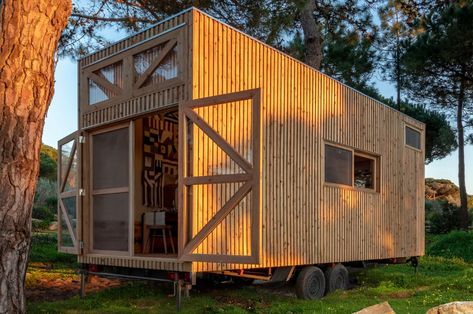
(203, 150)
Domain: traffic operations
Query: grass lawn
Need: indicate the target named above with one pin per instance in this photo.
(438, 280)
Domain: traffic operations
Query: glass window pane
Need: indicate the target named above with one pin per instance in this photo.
(110, 222)
(110, 159)
(66, 239)
(71, 209)
(338, 165)
(412, 137)
(71, 182)
(165, 71)
(113, 74)
(364, 172)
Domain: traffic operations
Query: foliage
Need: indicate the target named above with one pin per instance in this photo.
(44, 250)
(457, 244)
(441, 217)
(394, 30)
(349, 56)
(264, 19)
(48, 163)
(46, 193)
(439, 69)
(43, 213)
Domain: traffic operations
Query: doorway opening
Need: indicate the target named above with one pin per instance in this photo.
(156, 184)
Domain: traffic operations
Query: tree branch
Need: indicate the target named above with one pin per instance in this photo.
(113, 19)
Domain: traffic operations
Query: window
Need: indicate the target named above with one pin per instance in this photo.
(412, 138)
(364, 172)
(348, 167)
(106, 83)
(338, 164)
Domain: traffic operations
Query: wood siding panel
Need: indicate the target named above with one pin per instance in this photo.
(305, 221)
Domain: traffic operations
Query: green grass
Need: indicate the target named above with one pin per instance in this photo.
(44, 250)
(438, 280)
(457, 244)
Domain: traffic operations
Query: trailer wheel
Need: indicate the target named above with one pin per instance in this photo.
(310, 283)
(336, 278)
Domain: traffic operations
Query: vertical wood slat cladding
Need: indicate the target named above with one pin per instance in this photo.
(305, 221)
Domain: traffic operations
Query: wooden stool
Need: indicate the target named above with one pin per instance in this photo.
(157, 232)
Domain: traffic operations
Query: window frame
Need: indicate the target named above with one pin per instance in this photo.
(406, 125)
(376, 168)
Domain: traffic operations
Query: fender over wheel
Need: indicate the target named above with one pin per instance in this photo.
(310, 283)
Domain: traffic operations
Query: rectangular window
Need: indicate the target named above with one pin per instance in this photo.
(412, 138)
(338, 165)
(364, 172)
(351, 168)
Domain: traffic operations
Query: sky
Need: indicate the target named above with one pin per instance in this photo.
(62, 120)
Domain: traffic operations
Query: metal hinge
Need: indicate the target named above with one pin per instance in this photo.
(81, 192)
(81, 139)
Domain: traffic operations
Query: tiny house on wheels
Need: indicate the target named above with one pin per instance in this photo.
(202, 150)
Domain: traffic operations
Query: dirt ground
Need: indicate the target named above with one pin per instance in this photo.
(46, 284)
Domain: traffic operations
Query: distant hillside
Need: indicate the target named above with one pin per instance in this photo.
(444, 190)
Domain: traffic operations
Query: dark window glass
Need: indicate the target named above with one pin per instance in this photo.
(364, 172)
(338, 165)
(412, 137)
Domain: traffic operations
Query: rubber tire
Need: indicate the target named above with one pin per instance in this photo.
(310, 283)
(336, 278)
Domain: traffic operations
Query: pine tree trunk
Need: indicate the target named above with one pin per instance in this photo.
(464, 221)
(312, 36)
(29, 35)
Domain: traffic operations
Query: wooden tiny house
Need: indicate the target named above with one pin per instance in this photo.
(201, 149)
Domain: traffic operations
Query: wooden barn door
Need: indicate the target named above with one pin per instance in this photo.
(68, 193)
(219, 178)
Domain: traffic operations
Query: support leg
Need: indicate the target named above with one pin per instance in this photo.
(82, 284)
(178, 284)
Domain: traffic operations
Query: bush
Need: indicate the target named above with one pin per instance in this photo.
(39, 225)
(43, 213)
(457, 244)
(46, 192)
(441, 217)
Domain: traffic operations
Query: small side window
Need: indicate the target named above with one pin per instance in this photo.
(338, 165)
(364, 172)
(412, 138)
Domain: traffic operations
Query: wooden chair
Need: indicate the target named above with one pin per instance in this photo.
(155, 222)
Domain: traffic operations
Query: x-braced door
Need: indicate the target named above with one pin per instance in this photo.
(68, 193)
(219, 178)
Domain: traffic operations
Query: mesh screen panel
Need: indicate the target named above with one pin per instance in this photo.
(111, 217)
(110, 159)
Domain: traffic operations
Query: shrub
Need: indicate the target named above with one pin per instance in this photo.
(441, 217)
(43, 213)
(457, 244)
(46, 191)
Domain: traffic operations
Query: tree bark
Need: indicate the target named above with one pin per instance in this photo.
(312, 36)
(30, 31)
(464, 221)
